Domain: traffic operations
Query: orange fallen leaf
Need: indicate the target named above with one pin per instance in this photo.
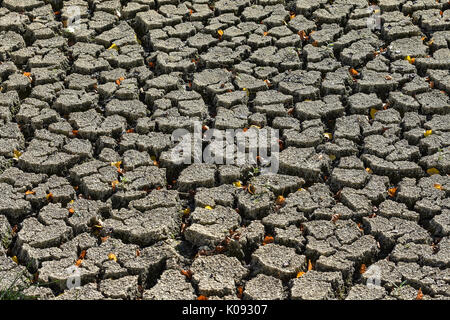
(392, 191)
(362, 269)
(353, 72)
(301, 273)
(303, 35)
(310, 266)
(251, 189)
(438, 186)
(82, 254)
(315, 44)
(30, 192)
(267, 240)
(240, 291)
(71, 211)
(187, 273)
(202, 297)
(75, 132)
(138, 253)
(119, 81)
(49, 196)
(130, 130)
(281, 144)
(114, 184)
(103, 239)
(280, 200)
(78, 262)
(419, 294)
(335, 217)
(265, 33)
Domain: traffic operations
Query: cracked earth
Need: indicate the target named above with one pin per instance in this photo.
(87, 182)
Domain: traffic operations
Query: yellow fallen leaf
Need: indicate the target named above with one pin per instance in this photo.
(114, 184)
(112, 256)
(14, 258)
(220, 32)
(410, 60)
(369, 170)
(332, 157)
(114, 46)
(208, 208)
(432, 171)
(116, 164)
(328, 135)
(237, 184)
(137, 39)
(372, 112)
(438, 186)
(17, 153)
(427, 133)
(186, 211)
